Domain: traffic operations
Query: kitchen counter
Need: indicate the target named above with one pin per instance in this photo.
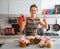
(10, 36)
(17, 36)
(15, 45)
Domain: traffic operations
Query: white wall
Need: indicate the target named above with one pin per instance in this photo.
(22, 6)
(4, 22)
(3, 6)
(46, 4)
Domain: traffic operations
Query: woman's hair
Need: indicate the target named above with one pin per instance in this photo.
(33, 5)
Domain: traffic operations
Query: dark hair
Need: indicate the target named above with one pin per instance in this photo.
(33, 5)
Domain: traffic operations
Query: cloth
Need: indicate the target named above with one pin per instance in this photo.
(32, 26)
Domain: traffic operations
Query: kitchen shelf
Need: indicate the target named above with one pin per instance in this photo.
(38, 15)
(51, 16)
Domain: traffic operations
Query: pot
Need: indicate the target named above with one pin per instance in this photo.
(56, 27)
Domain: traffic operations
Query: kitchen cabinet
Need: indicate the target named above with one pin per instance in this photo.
(3, 6)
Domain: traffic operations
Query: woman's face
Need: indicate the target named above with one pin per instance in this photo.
(33, 11)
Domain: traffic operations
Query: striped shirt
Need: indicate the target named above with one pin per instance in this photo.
(32, 25)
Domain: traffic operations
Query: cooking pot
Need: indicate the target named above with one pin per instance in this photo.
(56, 27)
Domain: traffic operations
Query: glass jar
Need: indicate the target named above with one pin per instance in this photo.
(21, 44)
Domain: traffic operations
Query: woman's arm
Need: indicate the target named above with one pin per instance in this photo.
(43, 23)
(22, 27)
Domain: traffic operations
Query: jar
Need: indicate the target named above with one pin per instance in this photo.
(49, 45)
(21, 44)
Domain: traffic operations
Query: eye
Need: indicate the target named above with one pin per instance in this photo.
(32, 10)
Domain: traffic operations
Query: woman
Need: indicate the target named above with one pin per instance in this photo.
(32, 22)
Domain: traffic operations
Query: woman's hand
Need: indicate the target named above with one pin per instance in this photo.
(44, 19)
(44, 23)
(22, 27)
(22, 22)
